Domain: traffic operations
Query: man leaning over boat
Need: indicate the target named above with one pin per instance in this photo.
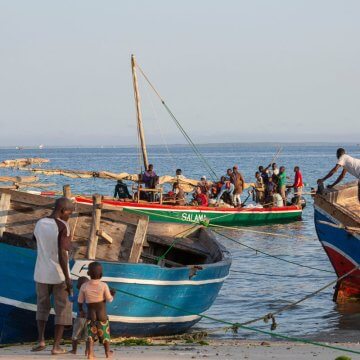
(349, 164)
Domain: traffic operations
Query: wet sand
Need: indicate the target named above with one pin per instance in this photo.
(252, 350)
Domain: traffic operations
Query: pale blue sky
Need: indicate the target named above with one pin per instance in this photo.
(230, 70)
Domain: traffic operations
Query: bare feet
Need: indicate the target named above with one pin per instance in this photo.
(39, 347)
(109, 354)
(58, 351)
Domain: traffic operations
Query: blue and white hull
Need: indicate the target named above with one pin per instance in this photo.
(129, 315)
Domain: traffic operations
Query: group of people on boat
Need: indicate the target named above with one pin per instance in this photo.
(270, 188)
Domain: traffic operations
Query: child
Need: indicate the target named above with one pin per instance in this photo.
(96, 293)
(79, 326)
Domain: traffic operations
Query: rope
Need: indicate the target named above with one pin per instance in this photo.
(212, 173)
(270, 255)
(276, 275)
(238, 242)
(235, 326)
(282, 309)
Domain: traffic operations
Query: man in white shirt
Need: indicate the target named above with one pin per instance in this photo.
(52, 274)
(348, 163)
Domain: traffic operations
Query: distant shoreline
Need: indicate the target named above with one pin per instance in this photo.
(228, 144)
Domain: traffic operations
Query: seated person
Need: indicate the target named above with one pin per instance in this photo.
(121, 191)
(179, 194)
(204, 186)
(227, 189)
(277, 200)
(199, 199)
(179, 174)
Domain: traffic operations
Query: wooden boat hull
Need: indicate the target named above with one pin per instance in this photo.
(341, 246)
(216, 216)
(129, 315)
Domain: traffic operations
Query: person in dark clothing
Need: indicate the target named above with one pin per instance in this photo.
(121, 191)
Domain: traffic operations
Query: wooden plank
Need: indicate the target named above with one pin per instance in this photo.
(95, 226)
(105, 236)
(139, 238)
(19, 179)
(4, 207)
(67, 191)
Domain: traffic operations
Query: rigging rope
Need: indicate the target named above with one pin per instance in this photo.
(211, 171)
(234, 240)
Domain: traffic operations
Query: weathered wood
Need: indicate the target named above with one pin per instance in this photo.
(138, 113)
(19, 179)
(95, 226)
(105, 236)
(67, 191)
(4, 208)
(139, 238)
(23, 162)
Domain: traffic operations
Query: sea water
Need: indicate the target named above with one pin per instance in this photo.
(257, 284)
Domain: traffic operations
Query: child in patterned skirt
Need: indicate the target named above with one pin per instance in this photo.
(95, 294)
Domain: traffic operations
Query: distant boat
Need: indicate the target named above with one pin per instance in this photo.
(41, 146)
(19, 148)
(337, 223)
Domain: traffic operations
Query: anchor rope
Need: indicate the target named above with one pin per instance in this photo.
(234, 326)
(238, 242)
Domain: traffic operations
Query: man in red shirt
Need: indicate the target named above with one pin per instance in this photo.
(200, 198)
(298, 182)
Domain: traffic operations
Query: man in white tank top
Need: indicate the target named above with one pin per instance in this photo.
(348, 163)
(52, 274)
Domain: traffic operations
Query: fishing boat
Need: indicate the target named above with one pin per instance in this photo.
(159, 210)
(149, 265)
(337, 223)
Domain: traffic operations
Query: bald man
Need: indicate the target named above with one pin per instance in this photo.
(52, 274)
(348, 164)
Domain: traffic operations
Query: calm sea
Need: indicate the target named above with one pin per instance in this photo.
(260, 284)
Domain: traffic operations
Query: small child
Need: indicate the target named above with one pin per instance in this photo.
(79, 327)
(96, 293)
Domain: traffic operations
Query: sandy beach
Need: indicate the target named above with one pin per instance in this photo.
(253, 350)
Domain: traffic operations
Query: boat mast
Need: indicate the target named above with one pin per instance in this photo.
(138, 113)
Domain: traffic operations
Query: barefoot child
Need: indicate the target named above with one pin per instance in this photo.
(79, 327)
(96, 293)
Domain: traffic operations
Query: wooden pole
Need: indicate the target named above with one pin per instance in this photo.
(67, 191)
(139, 239)
(4, 208)
(138, 113)
(95, 227)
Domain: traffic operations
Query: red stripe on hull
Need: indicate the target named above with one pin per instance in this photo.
(86, 200)
(350, 286)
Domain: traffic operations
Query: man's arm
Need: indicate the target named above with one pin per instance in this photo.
(330, 174)
(341, 176)
(63, 248)
(63, 261)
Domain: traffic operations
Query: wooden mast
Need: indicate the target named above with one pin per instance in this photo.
(138, 113)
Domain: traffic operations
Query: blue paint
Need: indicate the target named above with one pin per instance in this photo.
(18, 324)
(340, 238)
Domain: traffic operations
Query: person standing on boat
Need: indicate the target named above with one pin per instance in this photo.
(151, 180)
(228, 188)
(349, 164)
(298, 183)
(282, 183)
(238, 180)
(52, 273)
(204, 186)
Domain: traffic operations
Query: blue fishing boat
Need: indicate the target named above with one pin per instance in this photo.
(147, 263)
(337, 223)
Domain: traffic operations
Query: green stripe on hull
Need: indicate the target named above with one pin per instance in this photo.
(232, 219)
